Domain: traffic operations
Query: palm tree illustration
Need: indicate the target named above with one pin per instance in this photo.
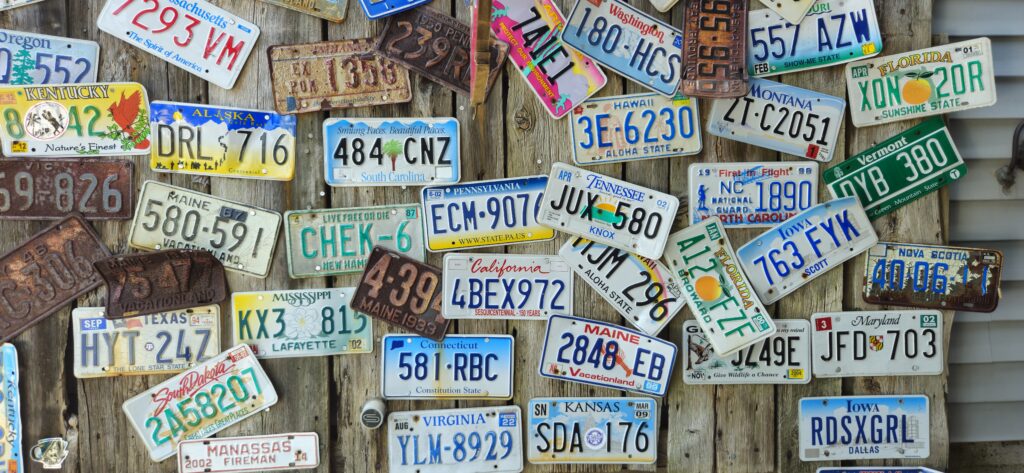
(393, 148)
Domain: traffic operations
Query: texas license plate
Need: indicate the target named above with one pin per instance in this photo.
(7, 5)
(900, 170)
(807, 245)
(384, 293)
(258, 452)
(506, 286)
(751, 195)
(458, 367)
(30, 58)
(606, 430)
(783, 358)
(105, 119)
(863, 427)
(240, 236)
(300, 322)
(715, 52)
(376, 9)
(877, 343)
(933, 81)
(456, 440)
(169, 342)
(360, 152)
(634, 127)
(50, 188)
(161, 281)
(326, 242)
(330, 10)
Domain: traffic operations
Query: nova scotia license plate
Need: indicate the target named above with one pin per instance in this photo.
(10, 414)
(504, 286)
(751, 195)
(783, 358)
(361, 152)
(605, 430)
(480, 439)
(258, 452)
(50, 188)
(330, 10)
(634, 127)
(877, 343)
(384, 293)
(714, 49)
(30, 58)
(864, 427)
(458, 367)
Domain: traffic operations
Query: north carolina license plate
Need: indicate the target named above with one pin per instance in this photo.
(402, 291)
(326, 242)
(634, 127)
(197, 36)
(361, 152)
(642, 290)
(161, 281)
(104, 119)
(258, 452)
(751, 195)
(807, 245)
(50, 188)
(458, 367)
(899, 170)
(376, 9)
(877, 343)
(715, 51)
(607, 210)
(169, 342)
(481, 439)
(300, 322)
(10, 414)
(933, 81)
(484, 213)
(607, 430)
(330, 10)
(602, 354)
(30, 58)
(506, 286)
(863, 427)
(200, 402)
(7, 5)
(623, 38)
(783, 358)
(792, 11)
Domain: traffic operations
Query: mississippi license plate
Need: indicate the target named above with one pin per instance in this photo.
(715, 64)
(783, 358)
(605, 430)
(169, 342)
(30, 58)
(863, 427)
(105, 119)
(900, 170)
(877, 343)
(7, 5)
(933, 81)
(330, 10)
(240, 236)
(456, 440)
(385, 292)
(458, 367)
(362, 152)
(607, 210)
(792, 11)
(807, 245)
(49, 189)
(506, 286)
(258, 452)
(161, 281)
(376, 9)
(634, 127)
(10, 420)
(751, 195)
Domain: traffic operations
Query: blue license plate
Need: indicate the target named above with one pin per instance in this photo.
(391, 151)
(863, 427)
(10, 412)
(483, 439)
(376, 9)
(610, 430)
(503, 286)
(37, 59)
(634, 127)
(458, 367)
(751, 194)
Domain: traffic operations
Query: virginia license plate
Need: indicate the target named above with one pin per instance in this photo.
(792, 11)
(376, 9)
(161, 281)
(877, 343)
(606, 430)
(258, 452)
(330, 10)
(715, 64)
(361, 152)
(506, 286)
(458, 367)
(7, 5)
(863, 427)
(783, 358)
(456, 440)
(10, 419)
(30, 58)
(751, 195)
(634, 127)
(384, 293)
(49, 189)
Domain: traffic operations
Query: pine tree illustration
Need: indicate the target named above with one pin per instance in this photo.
(23, 67)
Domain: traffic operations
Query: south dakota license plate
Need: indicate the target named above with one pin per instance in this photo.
(330, 10)
(10, 414)
(361, 152)
(877, 343)
(783, 358)
(634, 127)
(30, 58)
(258, 452)
(458, 367)
(606, 430)
(506, 286)
(50, 188)
(863, 427)
(751, 195)
(481, 439)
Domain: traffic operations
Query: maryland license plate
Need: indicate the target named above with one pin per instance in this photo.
(360, 152)
(933, 277)
(877, 343)
(783, 358)
(605, 430)
(456, 440)
(161, 281)
(715, 52)
(50, 188)
(634, 127)
(30, 58)
(863, 427)
(402, 291)
(258, 452)
(506, 286)
(10, 414)
(751, 195)
(458, 367)
(330, 10)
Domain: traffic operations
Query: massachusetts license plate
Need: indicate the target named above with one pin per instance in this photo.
(361, 152)
(326, 242)
(456, 440)
(506, 286)
(458, 367)
(30, 58)
(807, 245)
(899, 170)
(602, 354)
(715, 52)
(330, 10)
(751, 195)
(634, 127)
(933, 81)
(792, 11)
(105, 119)
(623, 38)
(258, 452)
(783, 358)
(161, 281)
(376, 9)
(606, 430)
(484, 213)
(169, 342)
(239, 235)
(402, 291)
(607, 210)
(10, 414)
(933, 277)
(864, 427)
(877, 343)
(50, 188)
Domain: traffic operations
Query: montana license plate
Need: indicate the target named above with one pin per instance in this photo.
(714, 48)
(458, 367)
(864, 427)
(468, 440)
(783, 358)
(258, 452)
(30, 58)
(751, 195)
(50, 188)
(634, 127)
(10, 414)
(161, 281)
(330, 10)
(506, 286)
(605, 430)
(877, 343)
(402, 291)
(360, 152)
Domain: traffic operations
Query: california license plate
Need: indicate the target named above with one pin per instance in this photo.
(7, 5)
(605, 430)
(456, 440)
(458, 367)
(715, 52)
(161, 281)
(257, 452)
(50, 188)
(330, 10)
(506, 286)
(864, 427)
(384, 293)
(10, 414)
(360, 152)
(30, 58)
(751, 195)
(783, 358)
(376, 9)
(877, 343)
(634, 127)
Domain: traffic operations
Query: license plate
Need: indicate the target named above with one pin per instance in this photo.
(325, 242)
(900, 170)
(623, 38)
(933, 81)
(606, 430)
(7, 5)
(30, 58)
(863, 427)
(169, 342)
(105, 119)
(384, 293)
(198, 37)
(161, 281)
(506, 286)
(877, 469)
(50, 188)
(456, 440)
(484, 213)
(360, 152)
(301, 322)
(751, 195)
(330, 10)
(877, 343)
(240, 236)
(200, 402)
(258, 452)
(792, 11)
(933, 277)
(783, 358)
(715, 62)
(312, 77)
(788, 256)
(458, 367)
(642, 290)
(634, 127)
(376, 9)
(602, 354)
(10, 421)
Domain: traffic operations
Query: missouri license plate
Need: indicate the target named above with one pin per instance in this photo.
(634, 127)
(506, 286)
(258, 452)
(458, 367)
(605, 430)
(864, 427)
(10, 414)
(402, 291)
(783, 358)
(330, 10)
(50, 188)
(30, 58)
(161, 281)
(360, 152)
(376, 9)
(715, 52)
(456, 440)
(877, 343)
(751, 195)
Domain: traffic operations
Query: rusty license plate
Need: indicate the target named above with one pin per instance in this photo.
(715, 49)
(330, 10)
(402, 291)
(161, 281)
(48, 189)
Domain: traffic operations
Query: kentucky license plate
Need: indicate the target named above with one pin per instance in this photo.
(360, 152)
(751, 195)
(933, 277)
(458, 367)
(606, 430)
(864, 427)
(330, 10)
(402, 291)
(161, 281)
(49, 189)
(10, 414)
(714, 49)
(473, 440)
(783, 358)
(877, 343)
(634, 127)
(258, 452)
(506, 286)
(30, 58)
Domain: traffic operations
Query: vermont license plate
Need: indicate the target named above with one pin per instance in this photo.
(715, 52)
(10, 419)
(634, 127)
(751, 195)
(458, 367)
(792, 11)
(605, 430)
(50, 188)
(30, 58)
(161, 281)
(360, 152)
(456, 440)
(258, 452)
(506, 286)
(384, 292)
(376, 9)
(783, 358)
(877, 343)
(330, 10)
(863, 427)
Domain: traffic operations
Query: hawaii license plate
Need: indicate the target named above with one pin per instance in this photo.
(751, 195)
(161, 281)
(458, 367)
(384, 293)
(7, 5)
(50, 188)
(877, 343)
(360, 152)
(330, 10)
(715, 52)
(468, 440)
(864, 427)
(506, 286)
(168, 342)
(10, 414)
(783, 358)
(606, 430)
(30, 58)
(257, 452)
(634, 127)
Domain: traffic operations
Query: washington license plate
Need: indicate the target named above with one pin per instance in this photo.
(362, 152)
(10, 414)
(933, 277)
(863, 427)
(751, 195)
(258, 452)
(783, 358)
(458, 367)
(384, 293)
(605, 430)
(506, 286)
(634, 127)
(50, 188)
(714, 49)
(330, 10)
(30, 58)
(877, 343)
(456, 440)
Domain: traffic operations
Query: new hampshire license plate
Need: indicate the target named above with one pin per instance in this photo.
(751, 195)
(605, 430)
(506, 286)
(634, 127)
(458, 367)
(877, 343)
(864, 427)
(30, 58)
(361, 152)
(468, 440)
(783, 358)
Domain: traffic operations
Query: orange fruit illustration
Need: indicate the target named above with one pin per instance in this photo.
(919, 89)
(707, 288)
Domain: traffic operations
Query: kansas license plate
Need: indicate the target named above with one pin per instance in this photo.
(751, 195)
(362, 152)
(792, 11)
(634, 127)
(30, 58)
(330, 10)
(10, 414)
(605, 430)
(50, 188)
(863, 427)
(783, 358)
(456, 440)
(715, 52)
(506, 286)
(376, 9)
(458, 367)
(877, 343)
(258, 452)
(402, 291)
(7, 5)
(933, 277)
(161, 281)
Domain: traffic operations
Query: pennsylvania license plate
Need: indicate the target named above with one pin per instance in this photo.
(376, 9)
(864, 427)
(506, 286)
(10, 413)
(807, 245)
(30, 58)
(877, 343)
(258, 452)
(751, 195)
(458, 367)
(330, 10)
(715, 52)
(481, 439)
(783, 358)
(606, 430)
(50, 188)
(933, 81)
(634, 127)
(7, 5)
(360, 152)
(402, 291)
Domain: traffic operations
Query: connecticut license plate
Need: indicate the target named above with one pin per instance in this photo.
(751, 195)
(714, 49)
(330, 10)
(161, 281)
(30, 58)
(863, 427)
(458, 367)
(504, 286)
(10, 414)
(50, 188)
(362, 152)
(606, 430)
(259, 452)
(783, 358)
(456, 440)
(634, 127)
(877, 343)
(384, 293)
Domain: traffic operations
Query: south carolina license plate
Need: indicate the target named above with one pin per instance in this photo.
(877, 343)
(458, 367)
(258, 452)
(330, 10)
(715, 53)
(386, 292)
(607, 430)
(30, 58)
(363, 152)
(50, 188)
(634, 127)
(863, 427)
(482, 439)
(783, 358)
(751, 195)
(10, 414)
(506, 286)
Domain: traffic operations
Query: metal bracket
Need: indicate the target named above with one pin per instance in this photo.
(1007, 175)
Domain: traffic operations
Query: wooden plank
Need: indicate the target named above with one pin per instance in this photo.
(991, 457)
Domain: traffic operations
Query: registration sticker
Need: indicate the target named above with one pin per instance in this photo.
(474, 439)
(864, 427)
(634, 127)
(458, 367)
(877, 343)
(604, 430)
(10, 413)
(37, 59)
(506, 286)
(783, 358)
(751, 195)
(360, 152)
(257, 452)
(376, 9)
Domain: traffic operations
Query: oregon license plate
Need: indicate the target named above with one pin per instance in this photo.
(362, 152)
(864, 427)
(384, 293)
(783, 358)
(258, 452)
(330, 10)
(715, 52)
(376, 9)
(458, 367)
(877, 343)
(634, 127)
(456, 440)
(751, 195)
(605, 430)
(506, 286)
(161, 281)
(30, 58)
(7, 5)
(10, 419)
(50, 188)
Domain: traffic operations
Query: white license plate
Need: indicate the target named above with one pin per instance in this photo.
(391, 151)
(783, 358)
(240, 236)
(473, 440)
(10, 412)
(607, 210)
(258, 452)
(458, 367)
(30, 58)
(604, 430)
(506, 286)
(751, 195)
(864, 427)
(877, 343)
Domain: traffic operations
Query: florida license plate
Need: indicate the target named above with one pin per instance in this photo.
(330, 10)
(458, 367)
(634, 127)
(715, 52)
(864, 427)
(506, 286)
(50, 188)
(384, 293)
(30, 58)
(877, 343)
(161, 281)
(360, 152)
(783, 358)
(751, 195)
(10, 414)
(604, 430)
(456, 440)
(258, 452)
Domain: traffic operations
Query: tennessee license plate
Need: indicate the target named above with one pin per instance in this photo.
(751, 195)
(783, 358)
(330, 10)
(30, 58)
(384, 293)
(506, 286)
(877, 343)
(168, 342)
(456, 440)
(606, 430)
(863, 427)
(634, 127)
(10, 414)
(458, 367)
(714, 49)
(50, 188)
(258, 452)
(376, 9)
(362, 152)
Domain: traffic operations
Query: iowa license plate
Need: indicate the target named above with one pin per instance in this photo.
(456, 440)
(30, 58)
(49, 189)
(160, 281)
(877, 343)
(606, 430)
(783, 358)
(863, 427)
(330, 10)
(506, 286)
(715, 52)
(361, 152)
(10, 419)
(751, 195)
(634, 127)
(384, 292)
(933, 277)
(458, 367)
(258, 452)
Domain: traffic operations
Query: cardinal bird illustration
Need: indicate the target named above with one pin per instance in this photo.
(125, 113)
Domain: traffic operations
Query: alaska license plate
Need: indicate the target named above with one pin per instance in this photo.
(258, 452)
(783, 358)
(402, 291)
(506, 286)
(50, 188)
(376, 9)
(877, 343)
(715, 51)
(467, 440)
(458, 367)
(605, 430)
(864, 427)
(10, 419)
(751, 195)
(634, 127)
(330, 10)
(161, 281)
(360, 152)
(30, 58)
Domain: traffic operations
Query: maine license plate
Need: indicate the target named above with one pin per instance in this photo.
(715, 52)
(606, 430)
(877, 343)
(783, 358)
(900, 170)
(240, 236)
(751, 195)
(458, 367)
(938, 80)
(602, 354)
(325, 242)
(933, 277)
(330, 10)
(30, 58)
(384, 293)
(863, 427)
(456, 440)
(10, 414)
(634, 127)
(161, 281)
(506, 286)
(360, 152)
(258, 452)
(105, 119)
(807, 245)
(168, 342)
(50, 188)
